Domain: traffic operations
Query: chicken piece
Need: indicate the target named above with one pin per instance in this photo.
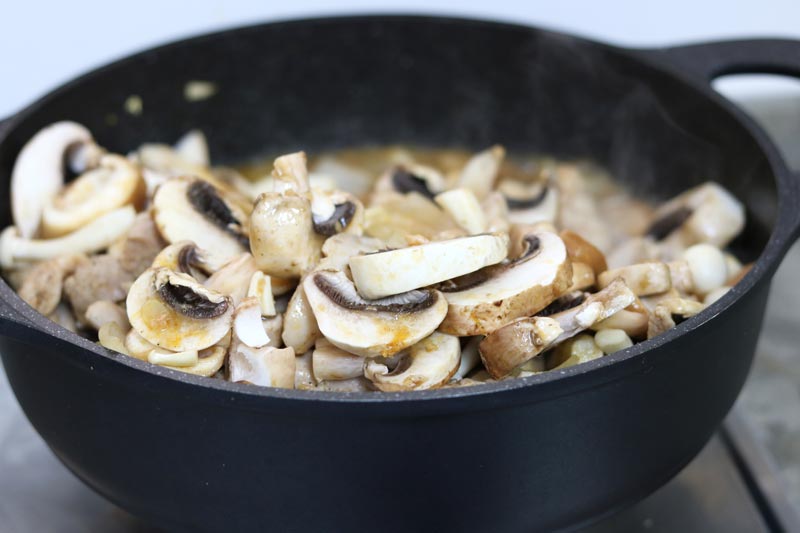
(100, 278)
(41, 288)
(136, 251)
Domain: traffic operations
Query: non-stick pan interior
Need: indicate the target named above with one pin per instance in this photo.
(434, 82)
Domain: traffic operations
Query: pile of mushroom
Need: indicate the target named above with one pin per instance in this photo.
(452, 269)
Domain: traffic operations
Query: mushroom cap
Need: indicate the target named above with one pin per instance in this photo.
(194, 210)
(176, 312)
(429, 364)
(114, 183)
(38, 172)
(371, 327)
(520, 288)
(383, 274)
(513, 344)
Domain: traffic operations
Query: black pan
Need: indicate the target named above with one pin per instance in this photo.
(549, 451)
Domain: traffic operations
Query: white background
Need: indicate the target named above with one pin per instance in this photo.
(43, 43)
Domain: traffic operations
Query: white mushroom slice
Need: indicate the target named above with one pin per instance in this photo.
(42, 285)
(247, 326)
(708, 268)
(260, 288)
(522, 340)
(175, 359)
(429, 364)
(336, 212)
(470, 357)
(708, 213)
(193, 148)
(371, 327)
(396, 271)
(174, 311)
(580, 250)
(300, 328)
(194, 210)
(663, 315)
(233, 279)
(283, 240)
(481, 170)
(95, 236)
(331, 363)
(360, 384)
(408, 214)
(112, 336)
(137, 346)
(464, 208)
(345, 177)
(612, 340)
(338, 250)
(631, 322)
(114, 183)
(185, 257)
(582, 277)
(303, 374)
(103, 312)
(575, 351)
(644, 279)
(292, 170)
(200, 363)
(530, 203)
(38, 172)
(681, 276)
(265, 367)
(496, 296)
(495, 211)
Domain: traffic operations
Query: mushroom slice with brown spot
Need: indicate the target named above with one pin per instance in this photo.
(334, 212)
(266, 366)
(407, 178)
(176, 312)
(38, 172)
(429, 364)
(93, 237)
(644, 279)
(707, 213)
(480, 172)
(383, 274)
(470, 358)
(233, 279)
(194, 210)
(522, 340)
(530, 203)
(115, 182)
(485, 301)
(184, 257)
(331, 363)
(582, 251)
(103, 312)
(43, 284)
(371, 327)
(283, 240)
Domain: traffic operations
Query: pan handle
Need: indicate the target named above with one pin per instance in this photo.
(703, 62)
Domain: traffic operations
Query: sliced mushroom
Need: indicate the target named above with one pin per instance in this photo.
(470, 358)
(102, 312)
(95, 236)
(582, 277)
(137, 346)
(260, 288)
(530, 203)
(485, 301)
(205, 362)
(266, 366)
(371, 327)
(247, 325)
(338, 250)
(115, 182)
(331, 363)
(407, 178)
(194, 210)
(43, 284)
(580, 349)
(336, 212)
(429, 364)
(185, 257)
(631, 322)
(38, 172)
(403, 215)
(193, 148)
(663, 316)
(463, 206)
(396, 271)
(300, 328)
(303, 374)
(495, 210)
(111, 335)
(643, 279)
(292, 171)
(233, 279)
(273, 326)
(176, 312)
(582, 251)
(525, 338)
(708, 213)
(481, 170)
(681, 276)
(283, 240)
